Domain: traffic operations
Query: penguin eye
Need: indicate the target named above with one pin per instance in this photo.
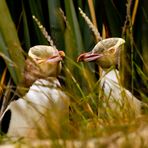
(110, 51)
(39, 60)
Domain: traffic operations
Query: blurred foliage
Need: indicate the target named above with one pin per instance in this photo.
(10, 45)
(71, 33)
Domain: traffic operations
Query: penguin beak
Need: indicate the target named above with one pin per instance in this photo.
(88, 57)
(56, 58)
(62, 54)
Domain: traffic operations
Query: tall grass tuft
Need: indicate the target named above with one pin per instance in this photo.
(89, 121)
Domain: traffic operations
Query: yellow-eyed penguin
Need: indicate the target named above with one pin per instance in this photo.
(25, 116)
(106, 54)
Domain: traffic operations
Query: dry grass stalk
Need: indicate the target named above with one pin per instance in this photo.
(91, 25)
(44, 32)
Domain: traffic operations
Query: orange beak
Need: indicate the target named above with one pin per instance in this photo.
(61, 53)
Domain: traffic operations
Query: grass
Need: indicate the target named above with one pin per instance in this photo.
(88, 117)
(90, 123)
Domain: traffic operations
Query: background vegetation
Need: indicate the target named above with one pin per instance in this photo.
(71, 33)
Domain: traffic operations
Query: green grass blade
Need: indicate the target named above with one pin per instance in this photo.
(113, 18)
(72, 19)
(26, 37)
(56, 23)
(35, 7)
(10, 38)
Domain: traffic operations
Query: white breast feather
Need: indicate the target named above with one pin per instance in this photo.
(116, 94)
(29, 110)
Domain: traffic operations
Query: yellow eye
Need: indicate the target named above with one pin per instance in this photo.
(39, 60)
(111, 50)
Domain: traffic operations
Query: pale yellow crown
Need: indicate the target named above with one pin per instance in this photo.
(47, 58)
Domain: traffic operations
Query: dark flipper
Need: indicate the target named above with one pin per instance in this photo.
(5, 122)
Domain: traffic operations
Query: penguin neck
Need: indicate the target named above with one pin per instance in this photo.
(51, 81)
(54, 80)
(115, 68)
(111, 73)
(41, 88)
